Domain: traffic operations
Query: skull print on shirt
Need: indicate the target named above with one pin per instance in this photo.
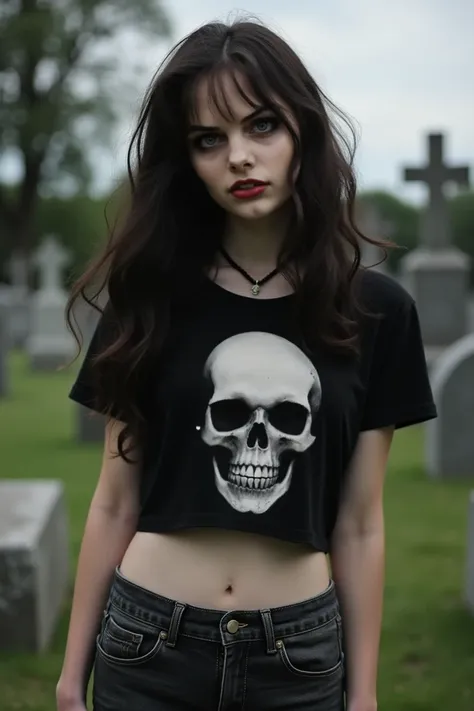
(266, 393)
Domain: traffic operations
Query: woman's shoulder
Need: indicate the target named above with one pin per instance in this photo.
(382, 293)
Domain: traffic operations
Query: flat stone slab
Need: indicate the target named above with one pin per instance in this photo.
(34, 561)
(470, 555)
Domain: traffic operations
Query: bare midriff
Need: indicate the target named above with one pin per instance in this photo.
(225, 570)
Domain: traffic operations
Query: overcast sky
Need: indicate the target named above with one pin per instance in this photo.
(400, 68)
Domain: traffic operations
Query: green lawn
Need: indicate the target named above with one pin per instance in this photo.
(427, 658)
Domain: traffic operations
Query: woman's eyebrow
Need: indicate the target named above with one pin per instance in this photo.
(196, 127)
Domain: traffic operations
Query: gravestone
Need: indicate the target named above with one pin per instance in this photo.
(449, 438)
(436, 273)
(371, 224)
(470, 555)
(19, 306)
(49, 344)
(34, 558)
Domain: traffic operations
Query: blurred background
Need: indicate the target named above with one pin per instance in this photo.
(72, 76)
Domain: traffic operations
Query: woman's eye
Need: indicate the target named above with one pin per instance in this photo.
(209, 141)
(259, 126)
(264, 125)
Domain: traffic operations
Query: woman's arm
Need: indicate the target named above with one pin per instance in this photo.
(110, 526)
(357, 561)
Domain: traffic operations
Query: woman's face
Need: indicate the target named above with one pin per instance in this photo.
(253, 146)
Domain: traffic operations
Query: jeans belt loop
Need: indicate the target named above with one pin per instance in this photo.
(269, 631)
(174, 624)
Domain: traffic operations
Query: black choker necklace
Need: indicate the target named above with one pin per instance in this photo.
(256, 283)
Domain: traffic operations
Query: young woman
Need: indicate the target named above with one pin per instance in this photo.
(252, 374)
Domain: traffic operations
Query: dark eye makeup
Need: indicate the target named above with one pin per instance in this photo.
(198, 142)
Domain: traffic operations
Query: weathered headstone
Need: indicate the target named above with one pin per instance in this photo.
(436, 273)
(470, 555)
(49, 344)
(34, 559)
(450, 437)
(371, 224)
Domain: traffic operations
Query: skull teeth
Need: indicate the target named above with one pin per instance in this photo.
(253, 477)
(253, 482)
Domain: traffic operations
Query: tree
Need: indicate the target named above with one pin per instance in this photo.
(50, 50)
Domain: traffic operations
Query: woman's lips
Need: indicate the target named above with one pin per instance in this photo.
(254, 190)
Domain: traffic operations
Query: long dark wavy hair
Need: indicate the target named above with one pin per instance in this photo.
(170, 228)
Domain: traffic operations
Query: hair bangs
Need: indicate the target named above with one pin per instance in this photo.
(247, 79)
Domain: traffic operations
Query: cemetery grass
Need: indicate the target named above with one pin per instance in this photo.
(427, 651)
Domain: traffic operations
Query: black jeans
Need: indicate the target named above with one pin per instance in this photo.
(156, 654)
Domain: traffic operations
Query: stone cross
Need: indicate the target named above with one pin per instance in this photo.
(435, 228)
(50, 258)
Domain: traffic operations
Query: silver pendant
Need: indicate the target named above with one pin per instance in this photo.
(256, 289)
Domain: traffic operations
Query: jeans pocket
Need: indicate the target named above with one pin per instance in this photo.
(124, 639)
(315, 653)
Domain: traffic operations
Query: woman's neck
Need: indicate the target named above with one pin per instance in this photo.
(256, 243)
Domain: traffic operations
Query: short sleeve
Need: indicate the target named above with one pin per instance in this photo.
(85, 388)
(398, 389)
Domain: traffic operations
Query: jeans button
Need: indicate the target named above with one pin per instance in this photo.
(233, 626)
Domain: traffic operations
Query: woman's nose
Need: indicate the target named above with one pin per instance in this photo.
(240, 156)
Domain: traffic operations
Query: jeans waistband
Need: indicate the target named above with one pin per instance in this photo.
(222, 626)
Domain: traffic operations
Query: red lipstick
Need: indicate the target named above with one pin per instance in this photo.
(244, 189)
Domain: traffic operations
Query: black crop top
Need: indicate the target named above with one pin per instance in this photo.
(248, 433)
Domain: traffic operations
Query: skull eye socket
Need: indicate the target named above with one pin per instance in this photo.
(289, 417)
(228, 415)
